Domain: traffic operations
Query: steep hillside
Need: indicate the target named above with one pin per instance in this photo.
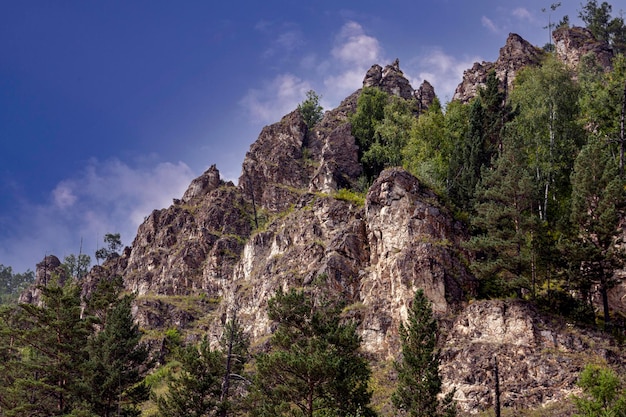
(290, 222)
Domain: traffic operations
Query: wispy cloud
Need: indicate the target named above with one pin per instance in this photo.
(275, 98)
(353, 53)
(522, 14)
(442, 70)
(490, 25)
(105, 197)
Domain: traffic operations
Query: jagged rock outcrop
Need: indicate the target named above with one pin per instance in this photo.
(539, 359)
(425, 95)
(516, 54)
(48, 269)
(223, 248)
(192, 245)
(572, 44)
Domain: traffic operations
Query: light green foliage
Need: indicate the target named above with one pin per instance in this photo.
(428, 150)
(12, 284)
(419, 382)
(313, 366)
(547, 123)
(310, 109)
(358, 199)
(604, 395)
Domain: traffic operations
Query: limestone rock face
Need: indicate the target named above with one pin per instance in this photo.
(538, 359)
(571, 44)
(516, 54)
(413, 244)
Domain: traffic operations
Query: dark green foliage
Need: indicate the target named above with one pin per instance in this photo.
(313, 366)
(113, 243)
(77, 266)
(117, 364)
(310, 109)
(205, 380)
(603, 393)
(46, 376)
(419, 382)
(599, 22)
(504, 226)
(12, 284)
(195, 390)
(596, 198)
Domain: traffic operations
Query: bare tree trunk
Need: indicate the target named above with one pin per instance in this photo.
(497, 388)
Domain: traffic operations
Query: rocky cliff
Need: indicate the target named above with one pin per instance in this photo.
(570, 44)
(223, 247)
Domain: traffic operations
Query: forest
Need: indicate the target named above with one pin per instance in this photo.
(536, 172)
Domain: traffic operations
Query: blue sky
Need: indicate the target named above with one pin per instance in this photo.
(109, 109)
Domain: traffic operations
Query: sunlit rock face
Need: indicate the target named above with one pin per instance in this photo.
(516, 54)
(572, 44)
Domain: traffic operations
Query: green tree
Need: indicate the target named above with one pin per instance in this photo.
(310, 109)
(195, 390)
(603, 393)
(419, 383)
(117, 364)
(547, 123)
(504, 225)
(370, 112)
(596, 198)
(203, 385)
(77, 266)
(113, 243)
(12, 284)
(427, 152)
(599, 22)
(313, 366)
(52, 339)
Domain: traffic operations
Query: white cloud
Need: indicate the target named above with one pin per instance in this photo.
(522, 14)
(105, 197)
(354, 47)
(489, 24)
(443, 71)
(353, 53)
(275, 98)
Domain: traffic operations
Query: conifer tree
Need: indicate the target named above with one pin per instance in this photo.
(196, 390)
(419, 383)
(313, 366)
(504, 225)
(52, 338)
(596, 198)
(117, 364)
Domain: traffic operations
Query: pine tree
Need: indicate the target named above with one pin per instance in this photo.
(505, 225)
(419, 382)
(196, 390)
(310, 109)
(117, 364)
(596, 198)
(51, 338)
(313, 366)
(203, 386)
